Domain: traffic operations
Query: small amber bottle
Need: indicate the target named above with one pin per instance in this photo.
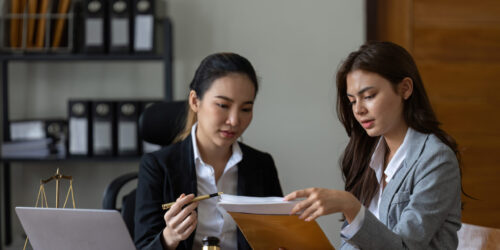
(210, 243)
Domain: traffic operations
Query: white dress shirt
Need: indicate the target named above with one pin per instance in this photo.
(212, 219)
(377, 164)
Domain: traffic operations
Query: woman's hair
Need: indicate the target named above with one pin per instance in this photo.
(393, 63)
(212, 68)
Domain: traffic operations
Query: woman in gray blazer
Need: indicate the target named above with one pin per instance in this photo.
(401, 171)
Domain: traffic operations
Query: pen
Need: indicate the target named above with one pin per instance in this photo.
(197, 198)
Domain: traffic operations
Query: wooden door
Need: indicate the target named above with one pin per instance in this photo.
(456, 45)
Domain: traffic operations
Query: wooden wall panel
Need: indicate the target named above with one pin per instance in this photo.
(461, 78)
(457, 48)
(452, 42)
(464, 95)
(460, 11)
(398, 32)
(458, 30)
(456, 45)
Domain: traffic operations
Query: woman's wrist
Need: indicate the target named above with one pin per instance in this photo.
(167, 241)
(352, 207)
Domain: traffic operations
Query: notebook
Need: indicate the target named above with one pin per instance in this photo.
(76, 229)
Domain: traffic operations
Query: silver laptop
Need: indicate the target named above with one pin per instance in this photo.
(76, 229)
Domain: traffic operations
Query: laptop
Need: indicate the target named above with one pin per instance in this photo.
(76, 229)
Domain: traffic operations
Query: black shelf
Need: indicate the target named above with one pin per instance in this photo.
(75, 159)
(164, 57)
(81, 57)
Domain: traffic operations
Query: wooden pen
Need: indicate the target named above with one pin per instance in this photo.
(197, 198)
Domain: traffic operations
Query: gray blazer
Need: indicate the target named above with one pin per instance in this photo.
(420, 207)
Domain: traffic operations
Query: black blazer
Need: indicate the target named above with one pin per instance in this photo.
(165, 174)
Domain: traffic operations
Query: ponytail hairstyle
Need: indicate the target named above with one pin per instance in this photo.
(212, 68)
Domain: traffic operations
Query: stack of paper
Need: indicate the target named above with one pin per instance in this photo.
(33, 149)
(266, 224)
(256, 205)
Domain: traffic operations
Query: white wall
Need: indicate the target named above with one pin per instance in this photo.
(295, 47)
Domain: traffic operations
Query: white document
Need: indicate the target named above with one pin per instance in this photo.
(256, 205)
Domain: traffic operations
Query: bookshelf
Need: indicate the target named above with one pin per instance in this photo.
(164, 56)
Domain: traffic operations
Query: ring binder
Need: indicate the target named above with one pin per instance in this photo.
(94, 26)
(103, 114)
(127, 137)
(143, 26)
(120, 16)
(80, 129)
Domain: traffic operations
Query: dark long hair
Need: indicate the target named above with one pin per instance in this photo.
(393, 63)
(212, 68)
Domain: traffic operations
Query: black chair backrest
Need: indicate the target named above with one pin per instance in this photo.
(159, 124)
(128, 201)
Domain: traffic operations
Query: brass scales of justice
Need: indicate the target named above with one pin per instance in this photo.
(42, 197)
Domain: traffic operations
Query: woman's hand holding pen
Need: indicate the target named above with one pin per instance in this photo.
(180, 222)
(321, 201)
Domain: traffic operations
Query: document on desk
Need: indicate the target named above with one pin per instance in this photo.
(266, 224)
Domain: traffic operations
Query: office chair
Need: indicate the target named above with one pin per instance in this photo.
(159, 124)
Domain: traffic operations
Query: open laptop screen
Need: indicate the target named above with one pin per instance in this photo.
(76, 229)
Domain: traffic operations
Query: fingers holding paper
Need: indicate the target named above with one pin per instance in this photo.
(318, 202)
(321, 201)
(181, 220)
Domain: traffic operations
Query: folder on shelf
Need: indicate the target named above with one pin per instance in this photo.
(16, 23)
(41, 24)
(22, 29)
(127, 136)
(80, 129)
(62, 9)
(32, 7)
(103, 114)
(143, 12)
(266, 224)
(94, 15)
(119, 26)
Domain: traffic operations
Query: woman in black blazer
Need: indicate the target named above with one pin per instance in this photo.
(207, 158)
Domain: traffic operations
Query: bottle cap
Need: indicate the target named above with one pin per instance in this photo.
(210, 241)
